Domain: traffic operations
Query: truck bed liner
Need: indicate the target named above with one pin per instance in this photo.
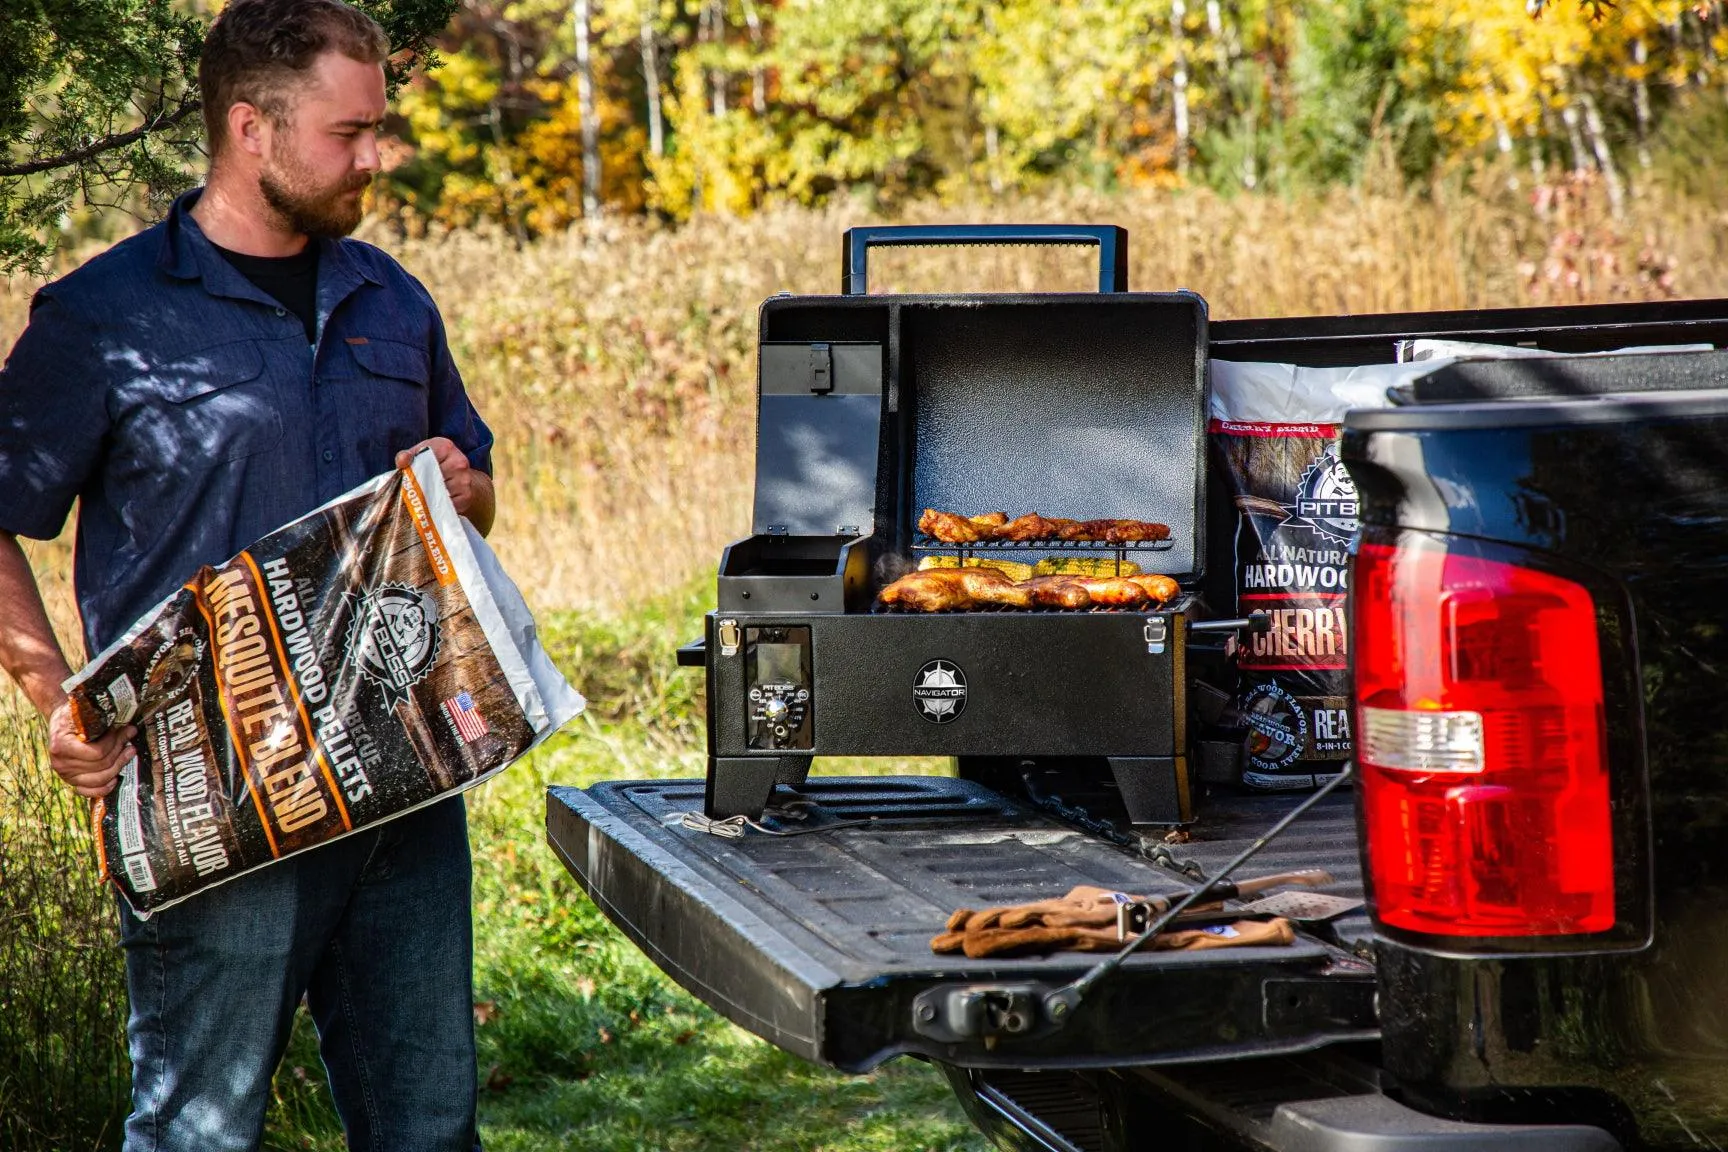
(819, 942)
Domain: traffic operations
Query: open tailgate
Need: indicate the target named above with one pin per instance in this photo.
(819, 942)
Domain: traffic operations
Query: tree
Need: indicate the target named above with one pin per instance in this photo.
(99, 107)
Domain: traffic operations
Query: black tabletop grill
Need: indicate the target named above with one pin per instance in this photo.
(873, 408)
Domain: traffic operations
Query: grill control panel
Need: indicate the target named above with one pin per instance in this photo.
(778, 700)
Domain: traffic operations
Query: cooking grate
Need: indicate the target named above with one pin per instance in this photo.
(1176, 605)
(931, 544)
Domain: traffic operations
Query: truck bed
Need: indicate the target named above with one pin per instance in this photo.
(819, 941)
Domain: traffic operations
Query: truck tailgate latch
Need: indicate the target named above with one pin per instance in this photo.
(984, 1012)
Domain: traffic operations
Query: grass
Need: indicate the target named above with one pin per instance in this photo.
(615, 364)
(583, 1043)
(63, 1068)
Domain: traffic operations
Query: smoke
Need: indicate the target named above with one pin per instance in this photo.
(890, 566)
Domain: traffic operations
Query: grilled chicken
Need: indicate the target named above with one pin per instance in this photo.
(1116, 531)
(956, 589)
(1064, 592)
(1161, 589)
(1028, 527)
(952, 528)
(949, 527)
(1112, 591)
(967, 589)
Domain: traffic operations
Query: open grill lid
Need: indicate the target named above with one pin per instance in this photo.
(1083, 405)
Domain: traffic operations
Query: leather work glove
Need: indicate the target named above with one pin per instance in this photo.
(1083, 907)
(1038, 938)
(1090, 919)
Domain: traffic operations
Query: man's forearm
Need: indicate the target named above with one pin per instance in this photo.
(29, 651)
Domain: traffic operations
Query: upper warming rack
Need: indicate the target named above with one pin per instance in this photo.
(922, 543)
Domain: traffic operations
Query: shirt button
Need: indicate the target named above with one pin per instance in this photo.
(281, 311)
(328, 455)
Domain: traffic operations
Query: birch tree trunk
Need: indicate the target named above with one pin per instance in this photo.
(714, 22)
(651, 81)
(1641, 101)
(993, 157)
(1569, 116)
(1603, 153)
(581, 15)
(1179, 83)
(758, 77)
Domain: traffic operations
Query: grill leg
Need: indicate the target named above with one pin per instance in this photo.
(1154, 788)
(741, 785)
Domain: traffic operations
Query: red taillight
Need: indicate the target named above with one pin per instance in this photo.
(1481, 744)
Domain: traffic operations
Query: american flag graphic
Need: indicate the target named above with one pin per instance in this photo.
(469, 723)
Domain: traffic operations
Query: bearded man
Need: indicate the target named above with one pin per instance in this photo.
(191, 389)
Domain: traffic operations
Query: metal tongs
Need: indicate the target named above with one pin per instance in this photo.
(1133, 917)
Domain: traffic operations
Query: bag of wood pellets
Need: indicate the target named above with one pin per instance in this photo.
(363, 661)
(1274, 433)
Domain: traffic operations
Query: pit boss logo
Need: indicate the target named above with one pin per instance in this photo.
(394, 638)
(940, 691)
(1325, 500)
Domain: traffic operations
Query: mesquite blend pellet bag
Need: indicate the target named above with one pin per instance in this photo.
(365, 660)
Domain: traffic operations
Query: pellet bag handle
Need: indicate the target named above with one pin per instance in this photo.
(1111, 240)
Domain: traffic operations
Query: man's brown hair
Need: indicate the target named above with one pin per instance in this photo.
(258, 49)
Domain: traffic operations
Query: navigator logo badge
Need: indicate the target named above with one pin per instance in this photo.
(940, 691)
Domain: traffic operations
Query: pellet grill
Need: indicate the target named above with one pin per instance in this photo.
(872, 408)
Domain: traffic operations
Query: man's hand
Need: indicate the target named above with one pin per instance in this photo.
(470, 489)
(91, 769)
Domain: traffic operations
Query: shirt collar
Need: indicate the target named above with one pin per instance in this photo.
(187, 254)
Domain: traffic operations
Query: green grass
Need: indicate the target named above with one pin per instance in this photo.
(583, 1043)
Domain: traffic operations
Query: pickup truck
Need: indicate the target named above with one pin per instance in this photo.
(1537, 822)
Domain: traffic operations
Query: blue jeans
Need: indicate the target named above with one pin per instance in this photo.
(375, 931)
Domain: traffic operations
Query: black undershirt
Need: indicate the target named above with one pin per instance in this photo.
(291, 280)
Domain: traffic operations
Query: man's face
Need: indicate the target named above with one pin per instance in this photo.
(325, 152)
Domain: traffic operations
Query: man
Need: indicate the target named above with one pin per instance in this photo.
(193, 388)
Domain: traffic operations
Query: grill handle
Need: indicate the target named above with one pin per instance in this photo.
(1112, 242)
(1257, 624)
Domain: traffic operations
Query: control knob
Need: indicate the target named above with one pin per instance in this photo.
(774, 710)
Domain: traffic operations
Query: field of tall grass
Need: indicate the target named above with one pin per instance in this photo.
(615, 364)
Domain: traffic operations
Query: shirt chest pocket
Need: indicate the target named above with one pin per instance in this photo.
(385, 403)
(203, 410)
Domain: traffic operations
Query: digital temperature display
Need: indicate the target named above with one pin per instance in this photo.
(779, 664)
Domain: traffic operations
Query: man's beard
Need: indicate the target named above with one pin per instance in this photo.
(318, 213)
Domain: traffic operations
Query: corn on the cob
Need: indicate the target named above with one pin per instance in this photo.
(1013, 569)
(1085, 566)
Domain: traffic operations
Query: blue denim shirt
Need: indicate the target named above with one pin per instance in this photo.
(184, 411)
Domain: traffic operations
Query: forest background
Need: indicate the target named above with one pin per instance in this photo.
(544, 112)
(600, 192)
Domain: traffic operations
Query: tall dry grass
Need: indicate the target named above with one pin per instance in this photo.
(615, 362)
